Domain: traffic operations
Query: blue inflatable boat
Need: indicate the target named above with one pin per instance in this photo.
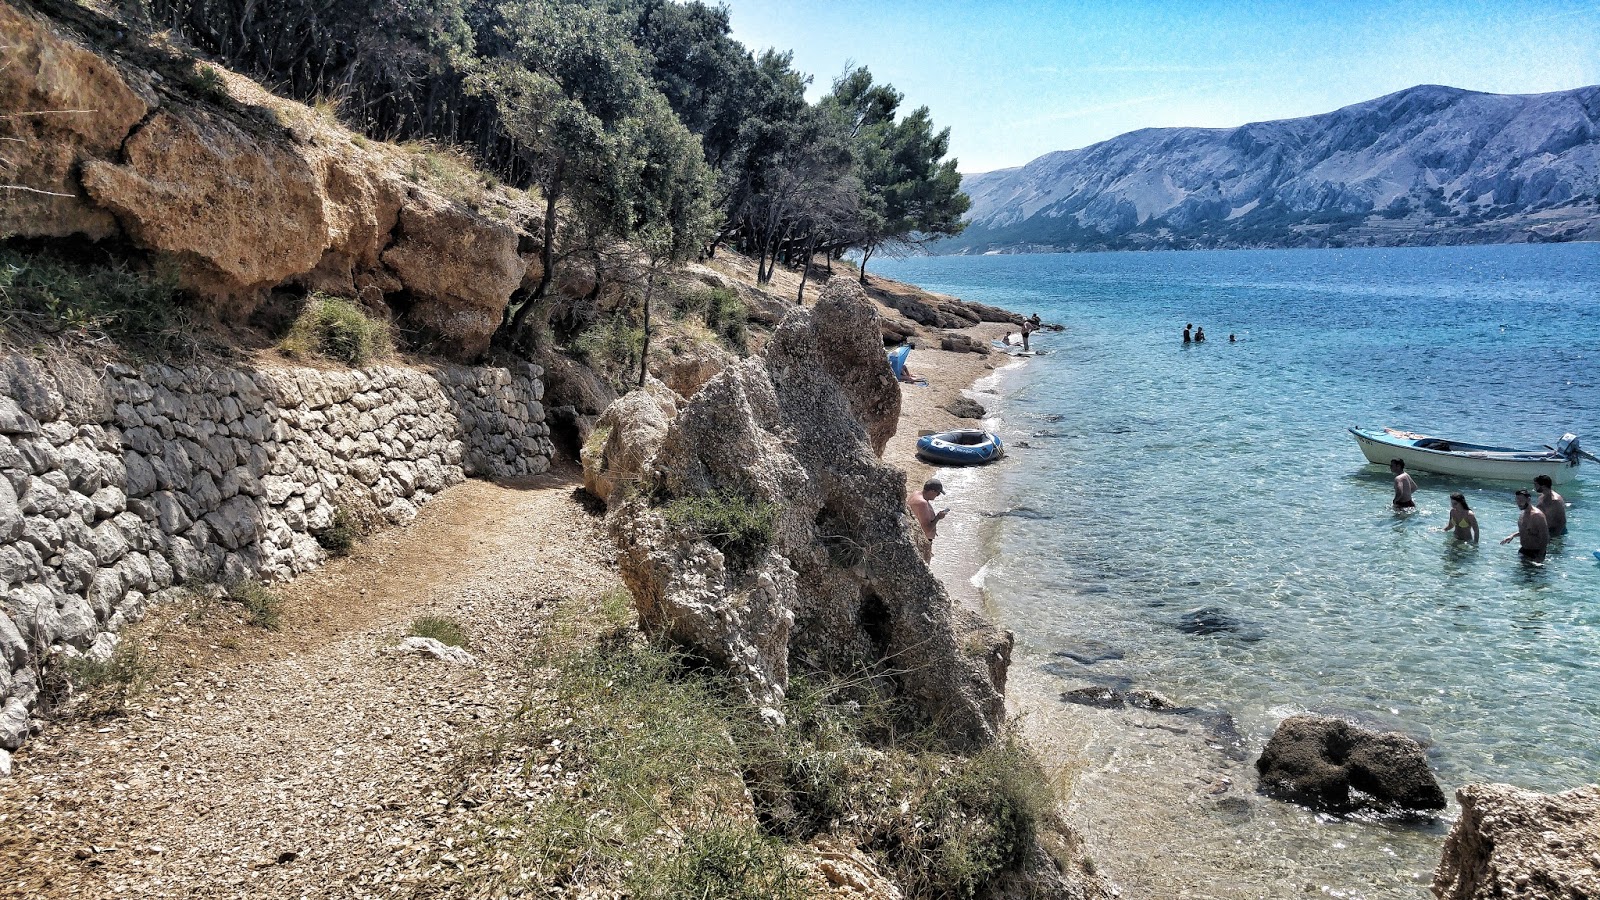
(966, 447)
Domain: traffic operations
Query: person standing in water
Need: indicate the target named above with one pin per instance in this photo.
(1186, 338)
(1552, 504)
(1531, 528)
(1463, 521)
(1200, 335)
(1404, 485)
(921, 506)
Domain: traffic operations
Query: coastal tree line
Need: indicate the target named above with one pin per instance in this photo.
(638, 121)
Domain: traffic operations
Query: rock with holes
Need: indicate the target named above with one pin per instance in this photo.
(1511, 842)
(767, 531)
(1330, 764)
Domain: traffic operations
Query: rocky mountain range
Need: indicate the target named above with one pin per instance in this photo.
(1427, 165)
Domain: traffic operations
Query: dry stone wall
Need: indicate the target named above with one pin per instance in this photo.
(118, 484)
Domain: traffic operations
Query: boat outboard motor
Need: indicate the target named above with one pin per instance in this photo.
(1568, 447)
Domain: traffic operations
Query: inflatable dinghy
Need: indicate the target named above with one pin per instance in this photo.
(964, 447)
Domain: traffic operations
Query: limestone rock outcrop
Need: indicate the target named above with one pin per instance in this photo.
(243, 210)
(247, 195)
(1511, 842)
(1330, 764)
(626, 439)
(685, 366)
(840, 583)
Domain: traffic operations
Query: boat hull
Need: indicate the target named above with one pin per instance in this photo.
(1484, 467)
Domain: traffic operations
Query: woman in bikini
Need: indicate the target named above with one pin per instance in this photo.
(1463, 521)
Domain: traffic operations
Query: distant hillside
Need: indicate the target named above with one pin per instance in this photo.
(1428, 165)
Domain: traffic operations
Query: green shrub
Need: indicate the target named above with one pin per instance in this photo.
(726, 863)
(741, 528)
(95, 292)
(262, 607)
(984, 818)
(446, 631)
(337, 329)
(645, 739)
(724, 313)
(727, 316)
(115, 679)
(612, 346)
(209, 83)
(340, 536)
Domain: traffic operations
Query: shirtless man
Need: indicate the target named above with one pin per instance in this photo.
(921, 506)
(1531, 528)
(1404, 485)
(1552, 504)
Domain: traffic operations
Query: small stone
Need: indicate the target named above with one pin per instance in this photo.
(431, 647)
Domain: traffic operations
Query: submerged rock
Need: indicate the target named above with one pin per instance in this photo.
(1331, 765)
(1216, 620)
(1511, 842)
(1089, 652)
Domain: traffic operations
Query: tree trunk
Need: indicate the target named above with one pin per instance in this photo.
(644, 355)
(805, 269)
(866, 254)
(547, 253)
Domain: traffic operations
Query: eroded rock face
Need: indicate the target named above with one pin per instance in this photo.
(78, 107)
(1515, 843)
(686, 367)
(239, 205)
(842, 585)
(244, 210)
(1322, 761)
(461, 268)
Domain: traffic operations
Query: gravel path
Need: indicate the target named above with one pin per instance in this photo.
(314, 761)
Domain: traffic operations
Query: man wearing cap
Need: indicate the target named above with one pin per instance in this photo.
(921, 505)
(1531, 528)
(1552, 504)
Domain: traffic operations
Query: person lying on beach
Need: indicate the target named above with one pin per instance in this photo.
(1463, 521)
(1531, 528)
(1404, 485)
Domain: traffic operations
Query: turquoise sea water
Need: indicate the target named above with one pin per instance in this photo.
(1157, 479)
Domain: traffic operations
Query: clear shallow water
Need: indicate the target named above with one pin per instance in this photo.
(1221, 476)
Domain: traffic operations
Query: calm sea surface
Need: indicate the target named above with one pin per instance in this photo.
(1158, 479)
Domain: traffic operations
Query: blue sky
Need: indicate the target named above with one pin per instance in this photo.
(1015, 80)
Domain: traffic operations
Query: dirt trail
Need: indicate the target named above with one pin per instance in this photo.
(311, 761)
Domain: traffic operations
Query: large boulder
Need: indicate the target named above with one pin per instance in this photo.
(460, 267)
(1511, 842)
(838, 581)
(1330, 764)
(685, 364)
(626, 438)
